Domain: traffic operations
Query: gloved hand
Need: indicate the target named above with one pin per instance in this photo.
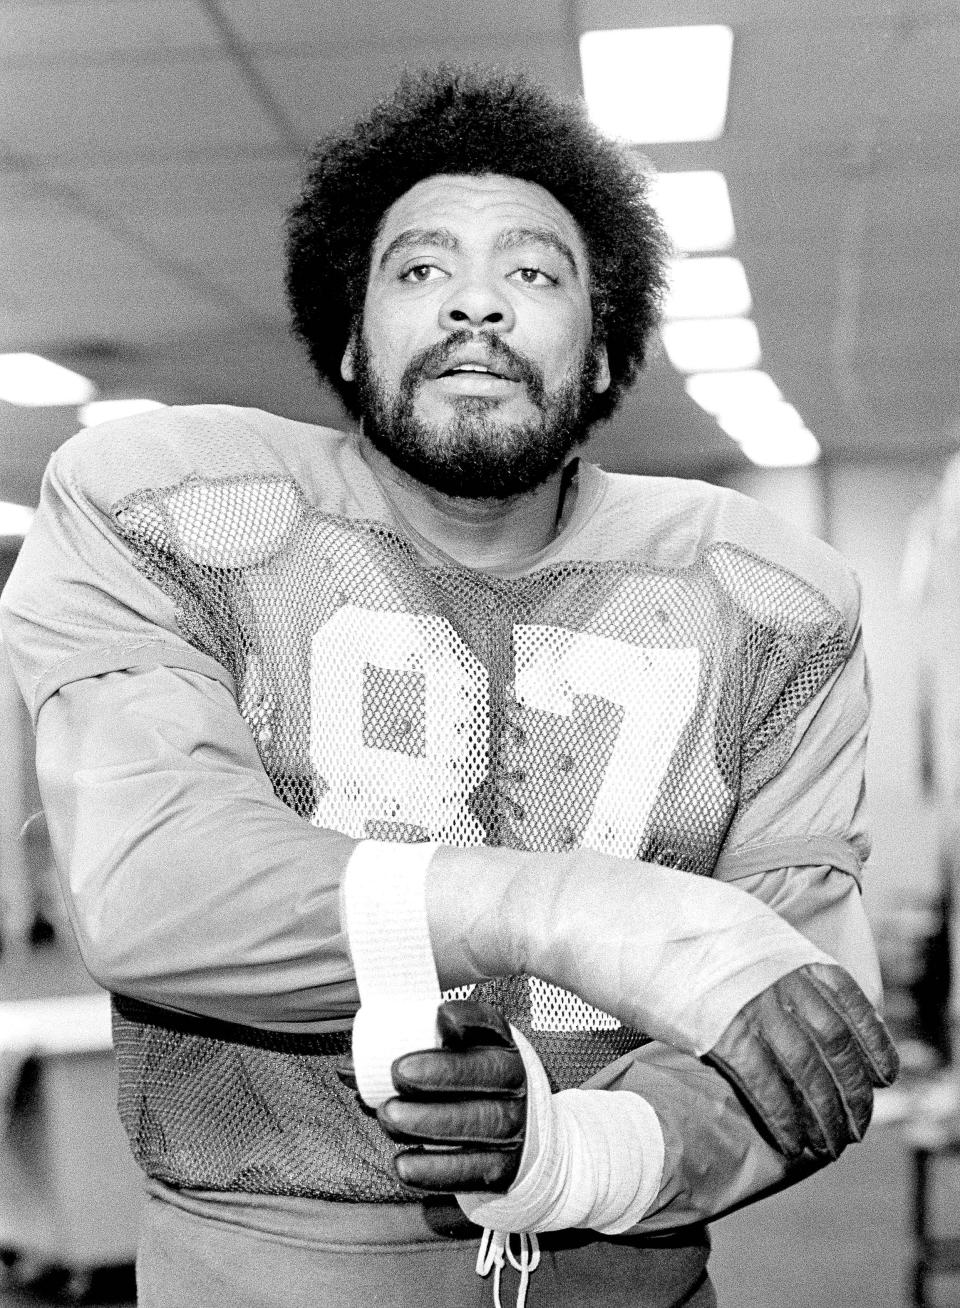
(696, 963)
(804, 1055)
(479, 1106)
(461, 1109)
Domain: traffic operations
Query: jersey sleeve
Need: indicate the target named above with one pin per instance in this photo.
(190, 884)
(803, 762)
(77, 604)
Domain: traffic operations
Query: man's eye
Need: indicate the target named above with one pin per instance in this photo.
(421, 272)
(534, 277)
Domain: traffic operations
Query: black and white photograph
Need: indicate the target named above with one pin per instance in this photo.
(479, 654)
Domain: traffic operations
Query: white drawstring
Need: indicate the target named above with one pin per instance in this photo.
(490, 1254)
(495, 1250)
(529, 1261)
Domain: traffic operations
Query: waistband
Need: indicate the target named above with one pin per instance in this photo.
(329, 1224)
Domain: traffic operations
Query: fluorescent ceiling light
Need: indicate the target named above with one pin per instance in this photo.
(107, 410)
(707, 288)
(772, 435)
(711, 344)
(15, 519)
(658, 83)
(694, 207)
(789, 449)
(722, 392)
(31, 380)
(757, 421)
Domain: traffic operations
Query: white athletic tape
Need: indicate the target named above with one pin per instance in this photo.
(708, 949)
(669, 953)
(592, 1159)
(386, 920)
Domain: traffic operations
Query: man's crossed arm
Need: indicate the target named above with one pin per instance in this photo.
(701, 965)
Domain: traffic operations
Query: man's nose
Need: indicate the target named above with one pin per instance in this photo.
(477, 302)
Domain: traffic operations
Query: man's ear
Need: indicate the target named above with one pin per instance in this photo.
(347, 371)
(601, 381)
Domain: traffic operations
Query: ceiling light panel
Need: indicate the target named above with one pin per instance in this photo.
(720, 392)
(694, 207)
(648, 84)
(708, 288)
(759, 421)
(91, 415)
(15, 519)
(789, 449)
(33, 381)
(711, 344)
(771, 435)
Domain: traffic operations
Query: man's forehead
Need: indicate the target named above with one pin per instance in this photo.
(490, 198)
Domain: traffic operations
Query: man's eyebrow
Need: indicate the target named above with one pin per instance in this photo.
(439, 236)
(517, 236)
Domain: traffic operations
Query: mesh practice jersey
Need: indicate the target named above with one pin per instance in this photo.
(670, 680)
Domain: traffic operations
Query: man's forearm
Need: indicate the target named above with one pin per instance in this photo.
(671, 954)
(715, 1157)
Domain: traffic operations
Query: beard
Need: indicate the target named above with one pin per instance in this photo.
(475, 454)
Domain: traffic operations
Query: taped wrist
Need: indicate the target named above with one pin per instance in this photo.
(592, 1158)
(666, 952)
(672, 954)
(386, 921)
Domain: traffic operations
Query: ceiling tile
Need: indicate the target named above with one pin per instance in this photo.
(121, 109)
(600, 14)
(78, 30)
(66, 277)
(101, 311)
(224, 217)
(802, 82)
(200, 211)
(45, 239)
(921, 208)
(321, 93)
(757, 14)
(211, 183)
(923, 80)
(321, 24)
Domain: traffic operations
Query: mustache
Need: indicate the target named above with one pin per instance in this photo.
(435, 356)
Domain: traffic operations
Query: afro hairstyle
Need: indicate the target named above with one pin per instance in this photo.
(473, 121)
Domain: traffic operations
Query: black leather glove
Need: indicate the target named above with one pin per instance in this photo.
(804, 1057)
(461, 1110)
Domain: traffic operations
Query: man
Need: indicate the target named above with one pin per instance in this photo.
(440, 705)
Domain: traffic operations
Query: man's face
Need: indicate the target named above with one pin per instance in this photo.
(476, 364)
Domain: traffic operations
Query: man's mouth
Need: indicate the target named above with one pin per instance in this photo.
(498, 370)
(470, 367)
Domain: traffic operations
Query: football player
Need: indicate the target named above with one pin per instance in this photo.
(556, 775)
